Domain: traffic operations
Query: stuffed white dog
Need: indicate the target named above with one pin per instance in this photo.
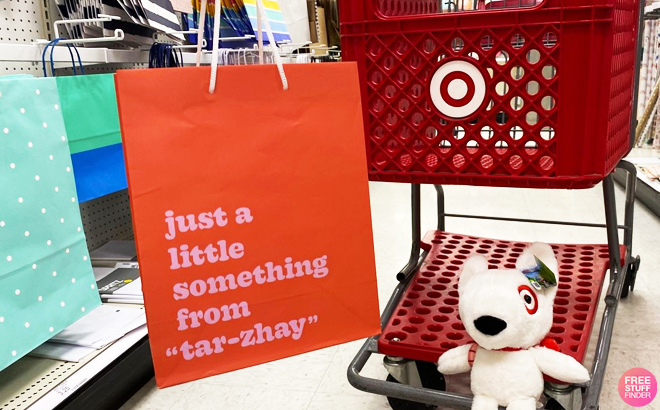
(508, 319)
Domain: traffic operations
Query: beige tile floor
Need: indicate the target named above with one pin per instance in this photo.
(317, 380)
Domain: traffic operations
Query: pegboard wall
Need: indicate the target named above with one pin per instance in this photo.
(107, 218)
(22, 21)
(102, 68)
(13, 68)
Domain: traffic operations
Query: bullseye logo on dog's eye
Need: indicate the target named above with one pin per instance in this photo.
(638, 387)
(458, 89)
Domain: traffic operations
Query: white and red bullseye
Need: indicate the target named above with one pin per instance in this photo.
(458, 89)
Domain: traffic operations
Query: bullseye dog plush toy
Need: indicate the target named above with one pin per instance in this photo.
(508, 313)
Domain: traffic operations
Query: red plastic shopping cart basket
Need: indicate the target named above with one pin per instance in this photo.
(517, 93)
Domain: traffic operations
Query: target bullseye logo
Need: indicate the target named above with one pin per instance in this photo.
(458, 89)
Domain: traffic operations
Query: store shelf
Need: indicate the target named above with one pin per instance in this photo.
(101, 381)
(32, 53)
(647, 190)
(652, 11)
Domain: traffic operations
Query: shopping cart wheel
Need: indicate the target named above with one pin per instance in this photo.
(431, 379)
(553, 404)
(631, 276)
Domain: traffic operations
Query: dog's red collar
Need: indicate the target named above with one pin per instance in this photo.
(510, 349)
(548, 343)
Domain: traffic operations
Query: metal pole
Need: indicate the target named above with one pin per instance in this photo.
(416, 214)
(611, 222)
(441, 207)
(397, 293)
(631, 189)
(534, 221)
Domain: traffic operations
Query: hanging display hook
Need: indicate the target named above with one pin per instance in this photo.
(118, 35)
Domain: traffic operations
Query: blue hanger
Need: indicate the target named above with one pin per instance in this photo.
(163, 55)
(52, 45)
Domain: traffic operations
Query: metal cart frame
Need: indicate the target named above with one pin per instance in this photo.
(622, 274)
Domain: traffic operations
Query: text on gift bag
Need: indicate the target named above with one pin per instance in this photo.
(187, 255)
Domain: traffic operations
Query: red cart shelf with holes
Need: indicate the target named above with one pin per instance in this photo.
(508, 93)
(497, 97)
(426, 322)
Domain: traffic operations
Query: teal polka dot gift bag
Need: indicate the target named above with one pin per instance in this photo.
(46, 277)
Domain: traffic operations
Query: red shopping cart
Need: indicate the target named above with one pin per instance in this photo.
(516, 93)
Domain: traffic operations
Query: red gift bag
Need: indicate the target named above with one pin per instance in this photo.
(251, 213)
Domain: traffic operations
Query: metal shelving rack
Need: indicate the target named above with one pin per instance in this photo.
(647, 191)
(24, 21)
(652, 12)
(22, 54)
(106, 379)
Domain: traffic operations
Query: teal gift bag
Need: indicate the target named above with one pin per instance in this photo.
(46, 278)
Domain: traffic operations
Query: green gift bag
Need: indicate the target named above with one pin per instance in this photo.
(89, 109)
(46, 278)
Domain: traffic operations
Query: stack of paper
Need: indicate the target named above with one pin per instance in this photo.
(131, 293)
(96, 330)
(121, 286)
(64, 352)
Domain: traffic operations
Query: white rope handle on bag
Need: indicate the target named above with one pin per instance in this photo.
(215, 52)
(271, 39)
(200, 32)
(261, 9)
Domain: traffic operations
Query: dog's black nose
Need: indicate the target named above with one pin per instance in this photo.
(489, 325)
